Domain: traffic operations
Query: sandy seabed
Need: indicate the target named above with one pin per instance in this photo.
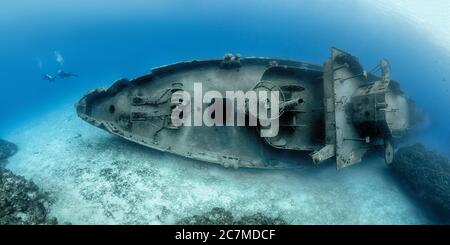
(97, 178)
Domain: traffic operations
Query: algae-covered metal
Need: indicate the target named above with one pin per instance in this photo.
(338, 110)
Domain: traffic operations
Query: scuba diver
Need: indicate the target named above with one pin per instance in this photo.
(63, 74)
(48, 77)
(60, 74)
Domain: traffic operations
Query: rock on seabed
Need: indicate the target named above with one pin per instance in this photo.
(427, 174)
(221, 216)
(7, 149)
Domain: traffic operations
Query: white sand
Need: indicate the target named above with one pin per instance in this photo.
(96, 178)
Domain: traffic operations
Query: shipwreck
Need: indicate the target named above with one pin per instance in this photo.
(338, 110)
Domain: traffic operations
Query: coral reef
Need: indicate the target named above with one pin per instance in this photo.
(220, 216)
(21, 202)
(427, 174)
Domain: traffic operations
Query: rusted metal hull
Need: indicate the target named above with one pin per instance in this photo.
(323, 123)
